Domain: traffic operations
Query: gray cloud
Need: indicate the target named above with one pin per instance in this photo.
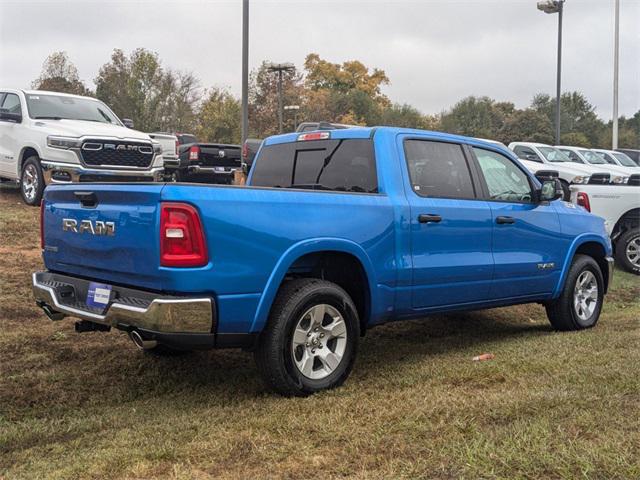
(434, 52)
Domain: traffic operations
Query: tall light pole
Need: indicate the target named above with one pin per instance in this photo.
(245, 71)
(556, 6)
(616, 47)
(280, 68)
(295, 109)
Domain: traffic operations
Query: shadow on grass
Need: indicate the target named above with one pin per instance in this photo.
(99, 369)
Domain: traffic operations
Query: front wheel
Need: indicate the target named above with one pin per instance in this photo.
(580, 302)
(628, 250)
(310, 340)
(32, 182)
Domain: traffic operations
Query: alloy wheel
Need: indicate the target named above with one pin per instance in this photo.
(585, 295)
(30, 182)
(633, 251)
(319, 341)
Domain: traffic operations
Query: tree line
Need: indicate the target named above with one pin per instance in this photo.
(157, 98)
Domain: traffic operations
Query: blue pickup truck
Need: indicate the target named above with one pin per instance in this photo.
(336, 232)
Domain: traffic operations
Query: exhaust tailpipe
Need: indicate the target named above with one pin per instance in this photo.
(51, 313)
(140, 342)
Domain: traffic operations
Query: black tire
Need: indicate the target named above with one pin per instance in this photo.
(274, 354)
(561, 312)
(31, 181)
(630, 238)
(566, 192)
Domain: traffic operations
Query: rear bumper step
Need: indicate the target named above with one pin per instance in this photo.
(129, 309)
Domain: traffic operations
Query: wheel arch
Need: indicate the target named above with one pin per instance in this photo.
(629, 219)
(304, 259)
(588, 244)
(26, 152)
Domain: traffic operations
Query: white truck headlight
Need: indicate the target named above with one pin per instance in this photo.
(619, 179)
(63, 142)
(580, 179)
(157, 148)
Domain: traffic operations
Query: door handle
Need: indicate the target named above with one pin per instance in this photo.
(429, 218)
(505, 220)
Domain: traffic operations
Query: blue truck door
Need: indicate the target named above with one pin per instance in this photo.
(527, 244)
(450, 227)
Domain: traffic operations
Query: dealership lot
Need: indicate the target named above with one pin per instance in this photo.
(549, 404)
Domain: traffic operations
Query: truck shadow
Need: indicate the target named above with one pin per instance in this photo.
(398, 344)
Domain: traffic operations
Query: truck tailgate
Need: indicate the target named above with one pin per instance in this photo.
(104, 231)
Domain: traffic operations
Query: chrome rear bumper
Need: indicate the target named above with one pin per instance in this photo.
(64, 296)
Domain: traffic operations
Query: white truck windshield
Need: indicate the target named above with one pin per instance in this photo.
(59, 107)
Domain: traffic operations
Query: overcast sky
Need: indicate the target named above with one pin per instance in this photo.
(435, 52)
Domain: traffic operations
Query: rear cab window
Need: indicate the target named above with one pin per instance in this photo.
(438, 169)
(340, 165)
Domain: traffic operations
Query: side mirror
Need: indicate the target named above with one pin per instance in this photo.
(551, 190)
(127, 122)
(8, 116)
(532, 157)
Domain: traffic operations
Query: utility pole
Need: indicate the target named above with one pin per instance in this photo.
(245, 71)
(280, 68)
(556, 6)
(239, 175)
(616, 47)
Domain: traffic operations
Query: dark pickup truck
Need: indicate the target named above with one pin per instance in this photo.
(207, 162)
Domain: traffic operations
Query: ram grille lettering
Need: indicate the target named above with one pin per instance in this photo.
(87, 226)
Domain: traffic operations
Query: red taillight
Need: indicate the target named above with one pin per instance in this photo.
(177, 147)
(182, 242)
(245, 151)
(305, 137)
(42, 224)
(194, 153)
(583, 201)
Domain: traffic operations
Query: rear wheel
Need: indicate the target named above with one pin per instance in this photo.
(628, 250)
(310, 340)
(580, 302)
(32, 181)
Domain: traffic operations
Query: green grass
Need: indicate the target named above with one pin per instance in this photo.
(550, 405)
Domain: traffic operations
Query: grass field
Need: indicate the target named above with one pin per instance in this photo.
(550, 405)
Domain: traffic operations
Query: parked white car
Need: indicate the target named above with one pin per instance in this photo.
(48, 137)
(584, 156)
(539, 156)
(618, 158)
(619, 205)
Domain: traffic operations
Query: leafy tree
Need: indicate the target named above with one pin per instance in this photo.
(219, 118)
(59, 74)
(574, 138)
(404, 115)
(350, 76)
(263, 100)
(138, 87)
(577, 115)
(345, 93)
(526, 126)
(476, 117)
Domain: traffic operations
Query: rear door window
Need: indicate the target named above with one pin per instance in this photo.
(346, 165)
(438, 169)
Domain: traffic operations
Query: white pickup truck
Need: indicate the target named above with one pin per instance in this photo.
(619, 205)
(48, 137)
